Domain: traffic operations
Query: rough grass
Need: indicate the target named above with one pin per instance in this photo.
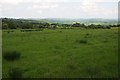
(54, 54)
(15, 74)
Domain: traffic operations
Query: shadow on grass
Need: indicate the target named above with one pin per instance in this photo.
(11, 55)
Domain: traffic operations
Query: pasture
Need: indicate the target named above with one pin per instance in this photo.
(66, 53)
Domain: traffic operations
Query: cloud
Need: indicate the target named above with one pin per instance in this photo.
(0, 10)
(45, 5)
(39, 1)
(93, 7)
(15, 2)
(30, 5)
(58, 8)
(10, 1)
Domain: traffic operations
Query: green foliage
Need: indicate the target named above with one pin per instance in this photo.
(4, 26)
(76, 25)
(33, 24)
(12, 25)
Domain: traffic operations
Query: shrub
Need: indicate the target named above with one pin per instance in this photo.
(15, 73)
(13, 55)
(108, 27)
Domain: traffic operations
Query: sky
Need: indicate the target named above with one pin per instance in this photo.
(59, 8)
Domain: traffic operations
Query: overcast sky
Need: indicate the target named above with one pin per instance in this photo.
(59, 8)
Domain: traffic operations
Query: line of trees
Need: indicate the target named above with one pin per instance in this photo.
(32, 24)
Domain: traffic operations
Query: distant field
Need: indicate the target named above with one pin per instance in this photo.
(72, 53)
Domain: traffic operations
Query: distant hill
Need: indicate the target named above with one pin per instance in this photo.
(70, 21)
(85, 21)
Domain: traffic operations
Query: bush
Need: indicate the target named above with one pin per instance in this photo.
(13, 55)
(15, 73)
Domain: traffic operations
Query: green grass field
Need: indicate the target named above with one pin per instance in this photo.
(61, 54)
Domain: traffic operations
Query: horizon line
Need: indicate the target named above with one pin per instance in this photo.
(54, 18)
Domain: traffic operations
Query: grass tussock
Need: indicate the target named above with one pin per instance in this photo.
(11, 55)
(83, 41)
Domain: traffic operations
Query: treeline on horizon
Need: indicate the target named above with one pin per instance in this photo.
(9, 23)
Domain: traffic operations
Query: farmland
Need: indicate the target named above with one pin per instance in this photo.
(66, 53)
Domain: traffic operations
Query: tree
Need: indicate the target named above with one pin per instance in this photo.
(76, 25)
(46, 25)
(26, 25)
(4, 26)
(12, 25)
(54, 25)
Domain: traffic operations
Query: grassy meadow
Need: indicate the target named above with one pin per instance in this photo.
(66, 53)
